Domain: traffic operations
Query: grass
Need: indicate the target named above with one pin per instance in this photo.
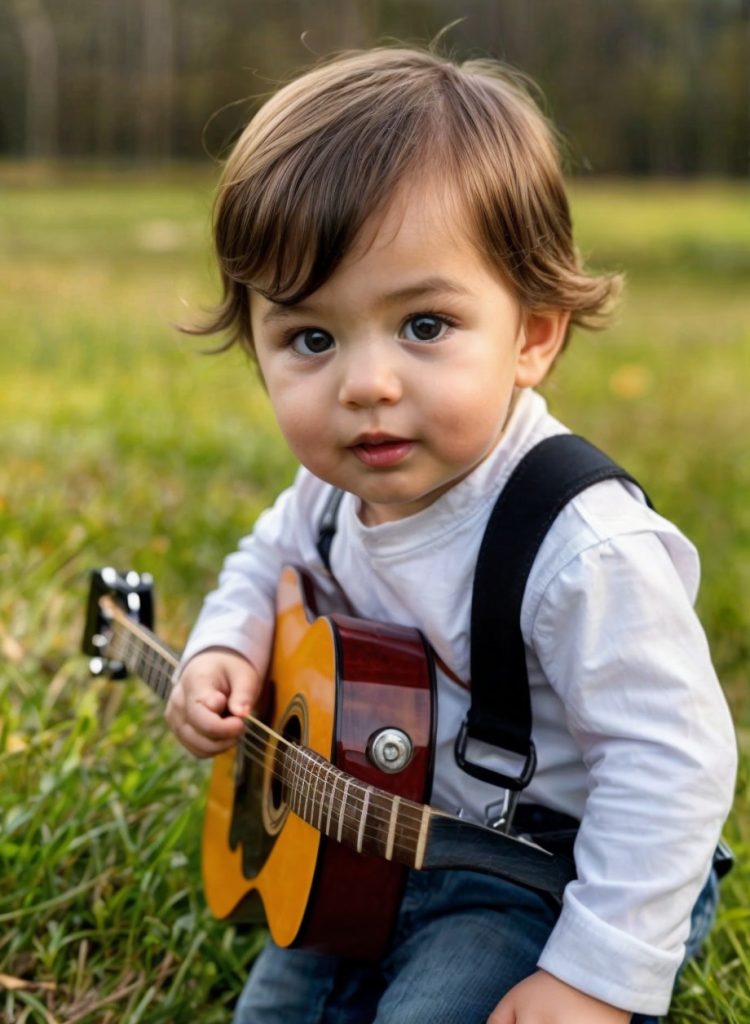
(121, 443)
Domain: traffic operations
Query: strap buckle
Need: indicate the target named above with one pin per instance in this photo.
(491, 775)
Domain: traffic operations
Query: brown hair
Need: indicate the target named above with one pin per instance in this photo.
(329, 149)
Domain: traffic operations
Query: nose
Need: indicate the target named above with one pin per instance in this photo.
(369, 377)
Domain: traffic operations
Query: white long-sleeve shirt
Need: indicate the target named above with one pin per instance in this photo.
(632, 731)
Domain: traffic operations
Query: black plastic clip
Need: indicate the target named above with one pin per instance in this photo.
(485, 774)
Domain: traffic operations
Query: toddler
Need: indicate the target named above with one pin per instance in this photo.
(396, 252)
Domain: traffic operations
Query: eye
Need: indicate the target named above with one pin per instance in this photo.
(311, 342)
(425, 327)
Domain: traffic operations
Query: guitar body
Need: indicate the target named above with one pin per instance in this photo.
(334, 682)
(314, 818)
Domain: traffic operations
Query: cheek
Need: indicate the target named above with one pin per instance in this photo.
(466, 420)
(301, 419)
(295, 422)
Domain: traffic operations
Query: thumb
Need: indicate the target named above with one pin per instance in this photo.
(503, 1013)
(243, 689)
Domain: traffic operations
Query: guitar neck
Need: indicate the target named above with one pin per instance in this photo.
(140, 650)
(375, 822)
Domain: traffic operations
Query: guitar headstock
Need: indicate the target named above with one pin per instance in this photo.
(133, 593)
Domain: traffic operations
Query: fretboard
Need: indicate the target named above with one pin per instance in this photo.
(359, 815)
(140, 650)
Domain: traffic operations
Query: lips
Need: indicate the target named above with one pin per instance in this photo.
(380, 450)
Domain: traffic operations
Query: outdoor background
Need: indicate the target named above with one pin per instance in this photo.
(122, 443)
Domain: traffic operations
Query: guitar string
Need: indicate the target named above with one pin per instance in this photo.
(306, 769)
(306, 772)
(311, 762)
(300, 772)
(154, 658)
(158, 656)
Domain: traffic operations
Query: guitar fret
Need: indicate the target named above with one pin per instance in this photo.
(309, 793)
(297, 779)
(331, 798)
(363, 818)
(309, 781)
(322, 784)
(395, 803)
(305, 789)
(302, 788)
(342, 808)
(292, 781)
(405, 843)
(422, 840)
(338, 803)
(379, 823)
(322, 798)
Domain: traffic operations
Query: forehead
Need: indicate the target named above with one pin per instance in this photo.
(419, 214)
(416, 249)
(419, 234)
(422, 233)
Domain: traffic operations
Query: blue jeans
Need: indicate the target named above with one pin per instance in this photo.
(462, 940)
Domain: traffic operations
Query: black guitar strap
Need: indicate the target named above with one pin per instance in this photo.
(327, 526)
(544, 481)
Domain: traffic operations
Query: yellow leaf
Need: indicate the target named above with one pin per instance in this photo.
(10, 647)
(631, 380)
(9, 982)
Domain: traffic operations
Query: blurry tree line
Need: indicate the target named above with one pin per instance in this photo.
(637, 86)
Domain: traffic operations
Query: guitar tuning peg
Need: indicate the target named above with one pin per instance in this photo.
(97, 666)
(99, 640)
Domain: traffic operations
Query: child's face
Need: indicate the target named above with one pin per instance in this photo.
(395, 379)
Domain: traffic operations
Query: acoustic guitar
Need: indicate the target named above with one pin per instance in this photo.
(313, 819)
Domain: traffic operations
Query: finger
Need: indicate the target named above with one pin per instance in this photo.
(213, 700)
(244, 690)
(175, 709)
(203, 746)
(199, 682)
(503, 1013)
(210, 724)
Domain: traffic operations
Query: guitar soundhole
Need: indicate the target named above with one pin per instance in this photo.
(293, 729)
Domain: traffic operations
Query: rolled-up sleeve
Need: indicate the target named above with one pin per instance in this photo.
(617, 638)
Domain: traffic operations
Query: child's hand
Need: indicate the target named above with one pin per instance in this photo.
(544, 999)
(215, 690)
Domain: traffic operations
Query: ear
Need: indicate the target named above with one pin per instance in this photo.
(542, 338)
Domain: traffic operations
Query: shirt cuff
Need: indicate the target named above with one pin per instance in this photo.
(609, 964)
(234, 639)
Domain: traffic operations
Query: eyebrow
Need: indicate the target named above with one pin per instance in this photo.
(420, 289)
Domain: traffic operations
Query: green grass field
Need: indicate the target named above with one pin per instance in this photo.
(121, 443)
